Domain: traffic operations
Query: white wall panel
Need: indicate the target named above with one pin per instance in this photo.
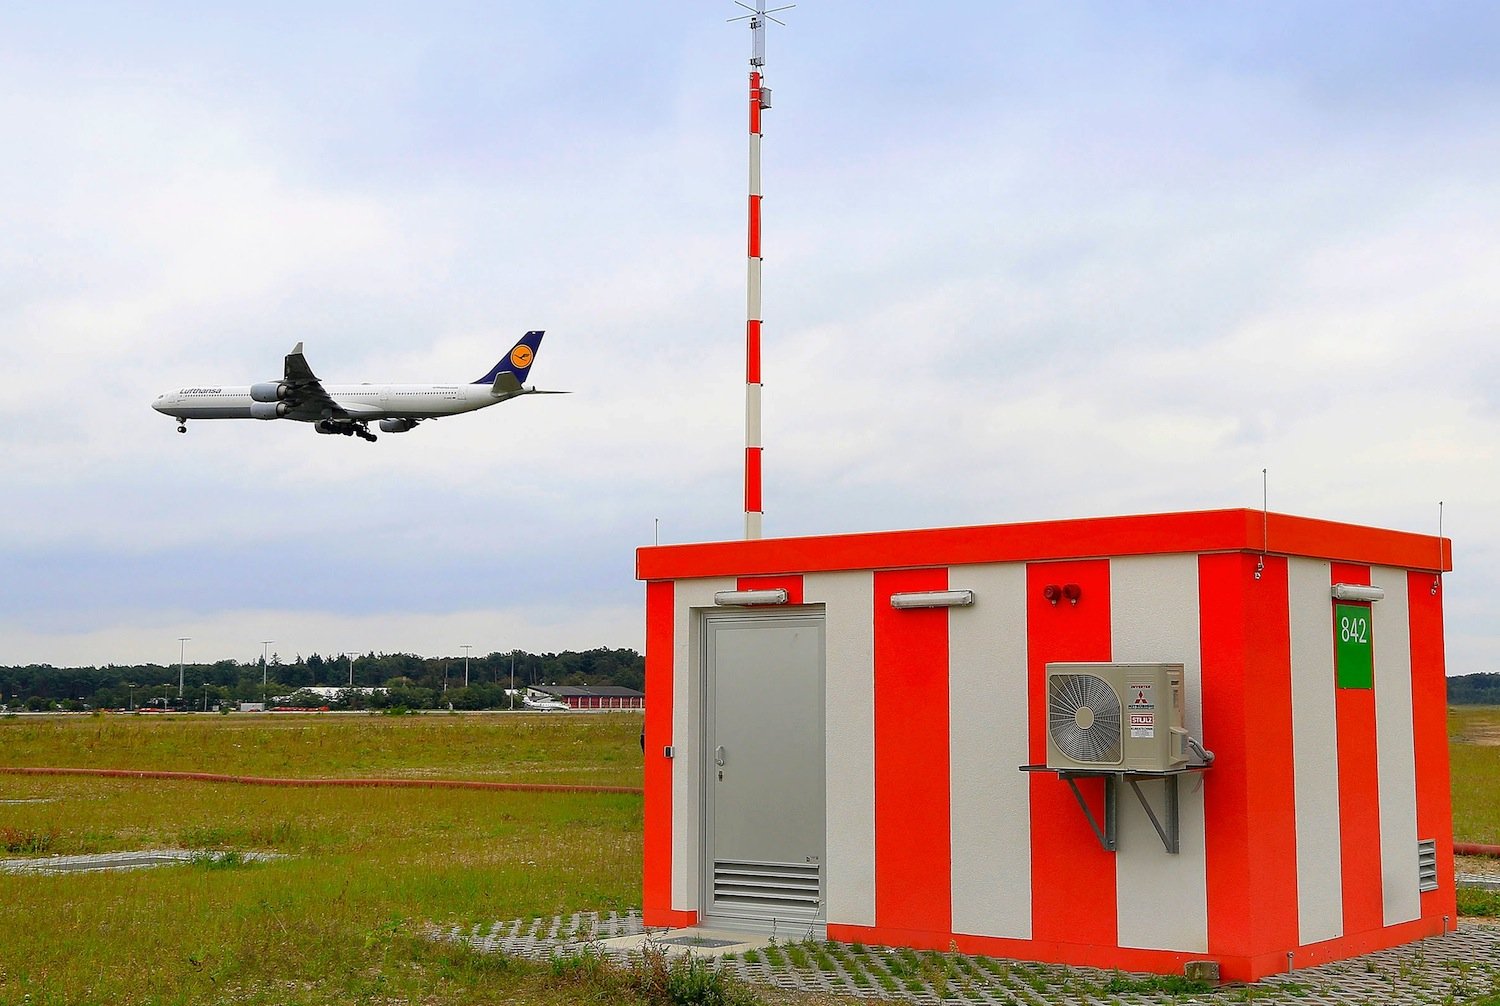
(849, 758)
(1162, 898)
(1320, 892)
(690, 597)
(991, 799)
(1395, 748)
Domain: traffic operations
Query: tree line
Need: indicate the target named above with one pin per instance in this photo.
(1482, 689)
(409, 681)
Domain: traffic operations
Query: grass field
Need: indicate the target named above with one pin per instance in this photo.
(341, 917)
(1474, 744)
(593, 750)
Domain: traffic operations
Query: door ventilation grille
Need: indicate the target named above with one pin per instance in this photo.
(1427, 865)
(776, 890)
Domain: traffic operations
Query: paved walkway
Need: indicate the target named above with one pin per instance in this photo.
(140, 859)
(1457, 968)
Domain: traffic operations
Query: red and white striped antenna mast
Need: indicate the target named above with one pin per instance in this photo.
(760, 99)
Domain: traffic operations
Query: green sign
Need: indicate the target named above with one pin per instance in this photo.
(1353, 646)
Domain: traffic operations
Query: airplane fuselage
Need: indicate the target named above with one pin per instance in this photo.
(366, 402)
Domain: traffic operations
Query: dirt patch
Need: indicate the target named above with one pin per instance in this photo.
(1482, 866)
(1485, 735)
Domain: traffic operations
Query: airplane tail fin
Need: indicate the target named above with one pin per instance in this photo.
(509, 374)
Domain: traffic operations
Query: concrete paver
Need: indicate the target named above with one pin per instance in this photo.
(1460, 967)
(108, 861)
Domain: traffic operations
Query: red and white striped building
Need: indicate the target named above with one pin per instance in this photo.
(1300, 845)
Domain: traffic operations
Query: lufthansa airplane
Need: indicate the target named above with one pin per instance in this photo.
(350, 408)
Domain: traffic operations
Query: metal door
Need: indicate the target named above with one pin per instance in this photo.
(763, 751)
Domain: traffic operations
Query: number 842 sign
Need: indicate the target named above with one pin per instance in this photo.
(1354, 648)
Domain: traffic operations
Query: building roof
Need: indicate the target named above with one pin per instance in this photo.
(1240, 530)
(589, 691)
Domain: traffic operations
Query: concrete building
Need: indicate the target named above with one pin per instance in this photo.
(840, 728)
(590, 696)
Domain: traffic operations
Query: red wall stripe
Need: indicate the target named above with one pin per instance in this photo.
(913, 849)
(754, 227)
(1072, 876)
(1249, 801)
(752, 480)
(752, 352)
(1359, 788)
(656, 873)
(1429, 699)
(1148, 534)
(791, 584)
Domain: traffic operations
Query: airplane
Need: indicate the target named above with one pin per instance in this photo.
(349, 409)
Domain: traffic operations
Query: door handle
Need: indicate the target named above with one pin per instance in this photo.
(719, 756)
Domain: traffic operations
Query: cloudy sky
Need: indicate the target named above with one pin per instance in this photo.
(1023, 261)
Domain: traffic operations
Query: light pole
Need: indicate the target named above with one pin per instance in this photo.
(512, 680)
(263, 644)
(205, 696)
(466, 647)
(351, 670)
(131, 686)
(181, 659)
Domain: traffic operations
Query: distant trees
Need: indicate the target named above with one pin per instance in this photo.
(413, 682)
(1474, 690)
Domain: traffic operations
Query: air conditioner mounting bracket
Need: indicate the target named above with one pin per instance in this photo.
(1109, 834)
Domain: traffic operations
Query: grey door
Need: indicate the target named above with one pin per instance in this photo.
(763, 771)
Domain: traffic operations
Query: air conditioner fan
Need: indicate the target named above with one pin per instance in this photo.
(1084, 719)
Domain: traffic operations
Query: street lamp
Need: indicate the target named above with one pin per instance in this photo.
(181, 657)
(263, 644)
(466, 647)
(351, 670)
(131, 686)
(512, 680)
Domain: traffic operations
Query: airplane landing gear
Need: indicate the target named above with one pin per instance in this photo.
(365, 434)
(182, 426)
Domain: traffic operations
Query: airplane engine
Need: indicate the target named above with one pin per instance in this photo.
(269, 391)
(269, 410)
(397, 425)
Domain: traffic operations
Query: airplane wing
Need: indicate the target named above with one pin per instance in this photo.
(309, 399)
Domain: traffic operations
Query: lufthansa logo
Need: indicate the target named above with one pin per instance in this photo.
(521, 356)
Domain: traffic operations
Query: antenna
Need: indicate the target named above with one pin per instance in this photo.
(758, 17)
(760, 100)
(1437, 578)
(1265, 522)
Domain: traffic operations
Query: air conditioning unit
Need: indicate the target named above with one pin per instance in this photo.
(1115, 717)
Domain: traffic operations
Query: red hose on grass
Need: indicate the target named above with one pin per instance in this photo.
(1470, 849)
(1459, 848)
(250, 780)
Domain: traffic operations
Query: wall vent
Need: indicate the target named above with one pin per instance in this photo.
(1427, 865)
(767, 890)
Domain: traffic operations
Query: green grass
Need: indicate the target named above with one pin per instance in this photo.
(599, 749)
(1477, 903)
(342, 916)
(1474, 747)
